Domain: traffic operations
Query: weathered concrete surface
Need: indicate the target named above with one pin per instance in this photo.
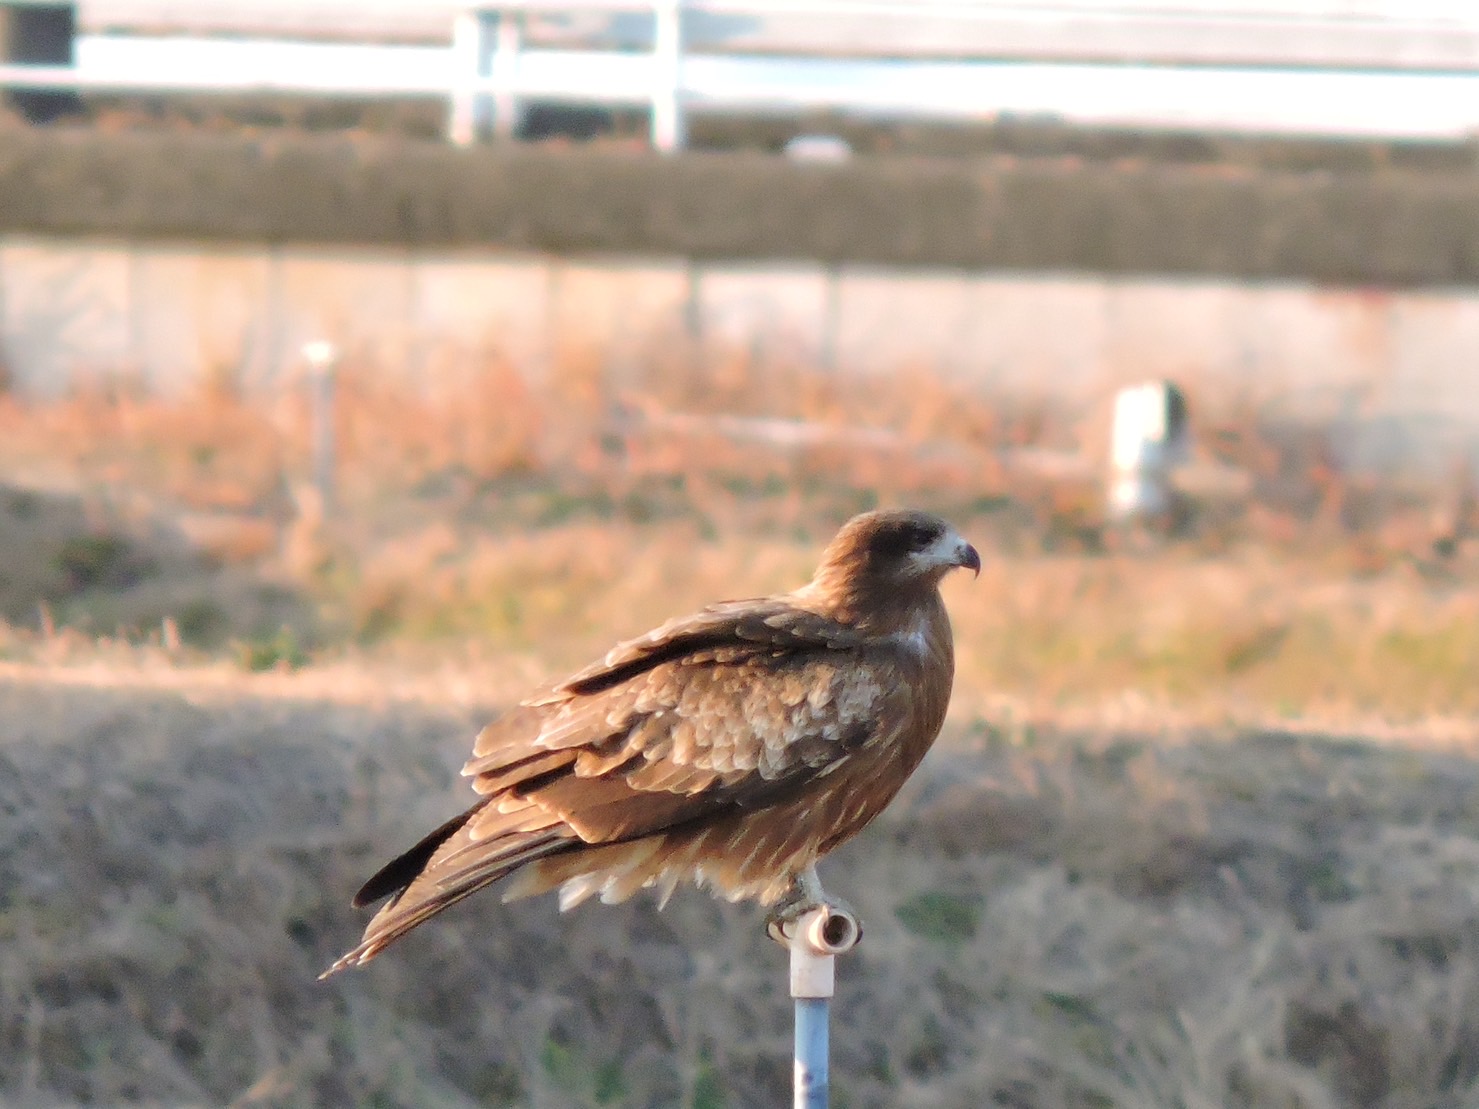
(612, 315)
(65, 308)
(1395, 371)
(464, 309)
(776, 312)
(198, 314)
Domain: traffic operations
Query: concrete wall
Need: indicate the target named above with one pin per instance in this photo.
(1398, 369)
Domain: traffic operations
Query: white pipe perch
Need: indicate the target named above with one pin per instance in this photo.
(815, 940)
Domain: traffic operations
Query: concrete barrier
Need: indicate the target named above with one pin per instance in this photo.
(1344, 296)
(1394, 370)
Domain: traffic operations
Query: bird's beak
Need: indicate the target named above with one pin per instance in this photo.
(969, 559)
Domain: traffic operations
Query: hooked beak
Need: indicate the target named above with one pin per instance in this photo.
(969, 559)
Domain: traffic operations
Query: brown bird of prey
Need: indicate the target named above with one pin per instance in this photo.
(733, 747)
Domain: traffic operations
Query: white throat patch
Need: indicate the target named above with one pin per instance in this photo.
(913, 639)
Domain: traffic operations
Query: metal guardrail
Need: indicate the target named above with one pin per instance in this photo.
(1438, 36)
(1177, 63)
(1156, 24)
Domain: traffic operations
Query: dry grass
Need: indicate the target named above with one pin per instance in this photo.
(1255, 919)
(1145, 867)
(537, 524)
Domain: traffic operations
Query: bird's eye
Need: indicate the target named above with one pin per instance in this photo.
(920, 537)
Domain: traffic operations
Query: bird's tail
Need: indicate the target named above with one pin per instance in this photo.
(436, 874)
(401, 871)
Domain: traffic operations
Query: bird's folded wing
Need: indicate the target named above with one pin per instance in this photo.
(728, 709)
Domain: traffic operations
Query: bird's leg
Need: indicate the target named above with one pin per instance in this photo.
(805, 894)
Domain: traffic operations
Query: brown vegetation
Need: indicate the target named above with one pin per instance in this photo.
(542, 524)
(425, 118)
(1385, 226)
(1151, 863)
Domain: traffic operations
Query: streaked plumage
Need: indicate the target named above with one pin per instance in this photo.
(734, 746)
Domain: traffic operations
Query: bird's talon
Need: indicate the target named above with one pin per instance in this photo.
(785, 915)
(780, 924)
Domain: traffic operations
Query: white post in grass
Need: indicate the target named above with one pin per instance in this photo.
(668, 130)
(1148, 440)
(815, 940)
(323, 364)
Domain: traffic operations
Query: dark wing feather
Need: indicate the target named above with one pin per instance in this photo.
(772, 622)
(403, 869)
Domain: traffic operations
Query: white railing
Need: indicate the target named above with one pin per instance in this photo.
(1438, 37)
(1356, 67)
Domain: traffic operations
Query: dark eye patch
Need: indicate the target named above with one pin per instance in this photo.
(903, 539)
(920, 537)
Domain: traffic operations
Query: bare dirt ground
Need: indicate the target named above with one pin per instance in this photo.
(1203, 830)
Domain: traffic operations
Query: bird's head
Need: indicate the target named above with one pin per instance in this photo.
(893, 551)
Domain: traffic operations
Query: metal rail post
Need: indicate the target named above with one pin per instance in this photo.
(462, 105)
(669, 132)
(485, 57)
(815, 940)
(508, 40)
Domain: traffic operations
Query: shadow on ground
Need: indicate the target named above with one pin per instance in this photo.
(1087, 921)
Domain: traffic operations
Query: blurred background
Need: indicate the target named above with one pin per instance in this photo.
(364, 364)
